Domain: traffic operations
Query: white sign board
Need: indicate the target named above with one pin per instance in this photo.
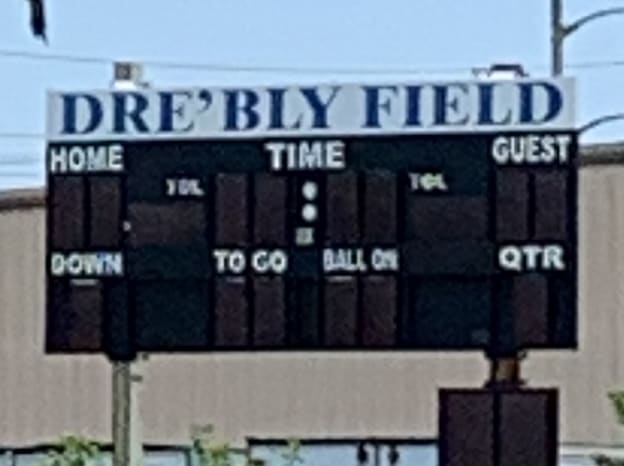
(327, 109)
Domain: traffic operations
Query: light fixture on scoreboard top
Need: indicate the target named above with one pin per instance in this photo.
(314, 110)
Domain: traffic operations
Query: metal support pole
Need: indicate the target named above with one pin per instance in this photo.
(121, 413)
(136, 433)
(557, 37)
(127, 375)
(505, 372)
(127, 435)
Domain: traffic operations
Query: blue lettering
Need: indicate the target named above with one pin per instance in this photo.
(233, 108)
(486, 106)
(70, 113)
(413, 106)
(122, 110)
(169, 110)
(555, 102)
(206, 97)
(276, 110)
(319, 108)
(442, 104)
(373, 105)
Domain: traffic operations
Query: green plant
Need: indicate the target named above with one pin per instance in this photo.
(617, 401)
(73, 450)
(292, 456)
(602, 460)
(211, 452)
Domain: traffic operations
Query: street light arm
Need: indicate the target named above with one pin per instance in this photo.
(569, 29)
(601, 120)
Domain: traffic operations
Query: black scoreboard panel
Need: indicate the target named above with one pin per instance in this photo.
(390, 243)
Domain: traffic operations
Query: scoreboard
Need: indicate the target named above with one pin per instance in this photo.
(419, 216)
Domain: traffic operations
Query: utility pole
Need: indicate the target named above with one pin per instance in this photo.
(557, 37)
(559, 31)
(127, 375)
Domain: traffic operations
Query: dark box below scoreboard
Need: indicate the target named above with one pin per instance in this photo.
(498, 427)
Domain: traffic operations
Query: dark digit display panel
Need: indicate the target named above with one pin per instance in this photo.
(449, 242)
(498, 427)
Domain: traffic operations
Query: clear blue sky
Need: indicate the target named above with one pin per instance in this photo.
(453, 35)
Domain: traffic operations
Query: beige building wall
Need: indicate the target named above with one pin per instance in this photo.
(320, 395)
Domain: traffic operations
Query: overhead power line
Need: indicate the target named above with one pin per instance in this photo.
(228, 67)
(597, 64)
(17, 174)
(26, 162)
(21, 154)
(11, 135)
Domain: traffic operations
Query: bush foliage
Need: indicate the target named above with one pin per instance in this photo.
(73, 450)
